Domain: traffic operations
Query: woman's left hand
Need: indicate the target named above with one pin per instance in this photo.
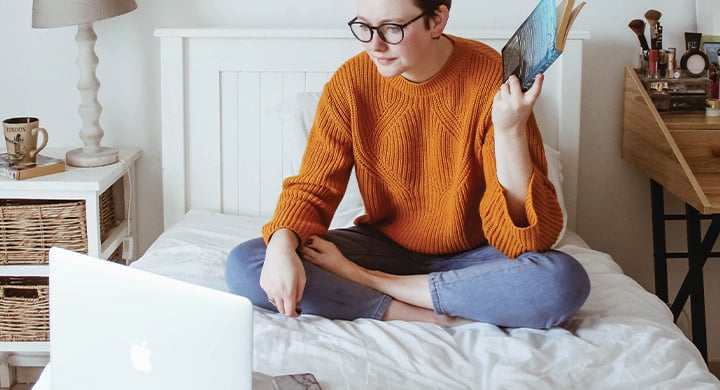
(510, 114)
(511, 107)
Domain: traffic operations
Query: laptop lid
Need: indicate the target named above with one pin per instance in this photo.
(116, 327)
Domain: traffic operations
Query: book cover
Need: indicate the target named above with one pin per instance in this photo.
(43, 166)
(539, 40)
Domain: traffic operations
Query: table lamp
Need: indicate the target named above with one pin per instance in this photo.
(59, 13)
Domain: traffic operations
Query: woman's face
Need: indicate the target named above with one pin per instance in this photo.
(406, 58)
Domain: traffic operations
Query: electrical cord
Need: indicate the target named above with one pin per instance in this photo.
(128, 211)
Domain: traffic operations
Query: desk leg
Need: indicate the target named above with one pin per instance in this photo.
(699, 248)
(657, 202)
(696, 260)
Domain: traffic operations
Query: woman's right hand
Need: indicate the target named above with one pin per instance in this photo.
(283, 276)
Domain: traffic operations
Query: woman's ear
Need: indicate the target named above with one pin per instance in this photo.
(438, 21)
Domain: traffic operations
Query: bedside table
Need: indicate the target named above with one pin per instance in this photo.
(680, 153)
(92, 188)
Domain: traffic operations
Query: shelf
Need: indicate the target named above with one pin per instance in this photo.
(681, 122)
(66, 185)
(25, 346)
(114, 239)
(679, 151)
(24, 270)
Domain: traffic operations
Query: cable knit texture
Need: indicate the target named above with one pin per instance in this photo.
(424, 159)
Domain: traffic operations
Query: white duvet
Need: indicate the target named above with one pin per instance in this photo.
(622, 338)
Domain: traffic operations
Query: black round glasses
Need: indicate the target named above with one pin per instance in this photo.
(390, 33)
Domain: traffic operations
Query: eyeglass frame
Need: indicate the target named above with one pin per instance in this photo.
(373, 29)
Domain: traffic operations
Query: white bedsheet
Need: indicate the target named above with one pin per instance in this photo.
(623, 337)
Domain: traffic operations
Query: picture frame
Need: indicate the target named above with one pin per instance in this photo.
(710, 44)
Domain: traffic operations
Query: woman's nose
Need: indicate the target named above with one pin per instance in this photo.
(376, 43)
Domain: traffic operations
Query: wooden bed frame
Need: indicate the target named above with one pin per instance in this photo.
(221, 90)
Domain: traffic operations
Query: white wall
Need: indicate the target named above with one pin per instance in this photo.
(39, 78)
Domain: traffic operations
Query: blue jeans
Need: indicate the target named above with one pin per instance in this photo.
(537, 290)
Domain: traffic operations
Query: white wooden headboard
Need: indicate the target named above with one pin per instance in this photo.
(221, 89)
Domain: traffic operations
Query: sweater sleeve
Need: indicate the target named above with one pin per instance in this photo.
(543, 211)
(308, 201)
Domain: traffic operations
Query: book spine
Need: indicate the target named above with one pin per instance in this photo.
(10, 173)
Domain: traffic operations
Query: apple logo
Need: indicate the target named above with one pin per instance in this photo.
(140, 357)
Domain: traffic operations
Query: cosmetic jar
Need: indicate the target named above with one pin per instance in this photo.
(712, 107)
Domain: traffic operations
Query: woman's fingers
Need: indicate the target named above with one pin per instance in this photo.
(534, 92)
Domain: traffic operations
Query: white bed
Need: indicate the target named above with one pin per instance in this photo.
(234, 106)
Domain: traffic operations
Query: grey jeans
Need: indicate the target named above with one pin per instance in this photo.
(537, 290)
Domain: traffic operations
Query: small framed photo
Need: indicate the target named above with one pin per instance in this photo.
(710, 44)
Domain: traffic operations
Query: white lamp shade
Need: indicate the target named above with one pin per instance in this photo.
(58, 13)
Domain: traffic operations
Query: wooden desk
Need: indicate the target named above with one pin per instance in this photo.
(680, 153)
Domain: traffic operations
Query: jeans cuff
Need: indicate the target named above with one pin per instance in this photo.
(381, 308)
(434, 294)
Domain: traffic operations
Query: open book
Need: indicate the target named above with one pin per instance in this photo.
(539, 40)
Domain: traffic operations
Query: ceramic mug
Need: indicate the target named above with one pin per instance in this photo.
(21, 137)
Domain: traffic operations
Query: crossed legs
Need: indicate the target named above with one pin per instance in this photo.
(411, 300)
(359, 273)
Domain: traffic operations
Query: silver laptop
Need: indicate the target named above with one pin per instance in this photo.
(115, 327)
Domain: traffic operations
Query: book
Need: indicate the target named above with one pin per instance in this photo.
(539, 40)
(44, 165)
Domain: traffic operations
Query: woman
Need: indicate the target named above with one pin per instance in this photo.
(460, 214)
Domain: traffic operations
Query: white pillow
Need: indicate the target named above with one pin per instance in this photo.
(298, 114)
(555, 175)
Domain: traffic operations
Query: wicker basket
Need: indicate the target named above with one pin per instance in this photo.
(28, 228)
(107, 214)
(116, 256)
(24, 309)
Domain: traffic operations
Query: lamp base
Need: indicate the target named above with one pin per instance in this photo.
(80, 158)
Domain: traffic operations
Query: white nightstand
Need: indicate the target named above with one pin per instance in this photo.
(83, 184)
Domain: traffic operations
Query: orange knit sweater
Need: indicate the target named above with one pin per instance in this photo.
(424, 159)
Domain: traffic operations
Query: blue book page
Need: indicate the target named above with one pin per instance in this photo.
(531, 49)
